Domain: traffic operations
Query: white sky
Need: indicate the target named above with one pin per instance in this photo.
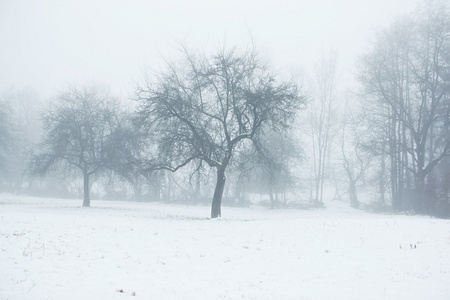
(48, 44)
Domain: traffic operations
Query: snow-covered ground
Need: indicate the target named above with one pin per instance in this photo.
(55, 249)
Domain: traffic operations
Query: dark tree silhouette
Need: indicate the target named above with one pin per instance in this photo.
(82, 129)
(405, 74)
(204, 107)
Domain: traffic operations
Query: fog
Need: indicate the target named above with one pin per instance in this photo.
(50, 44)
(280, 104)
(225, 150)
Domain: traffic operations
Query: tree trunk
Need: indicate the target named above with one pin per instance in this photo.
(87, 200)
(420, 200)
(157, 178)
(218, 193)
(353, 194)
(382, 187)
(197, 188)
(272, 200)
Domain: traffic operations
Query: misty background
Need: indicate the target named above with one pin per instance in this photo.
(50, 44)
(360, 121)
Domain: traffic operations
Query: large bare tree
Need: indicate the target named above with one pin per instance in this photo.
(405, 73)
(81, 130)
(203, 107)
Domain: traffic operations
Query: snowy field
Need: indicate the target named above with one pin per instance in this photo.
(55, 249)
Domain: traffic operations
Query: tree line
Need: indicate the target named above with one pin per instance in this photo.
(406, 80)
(210, 117)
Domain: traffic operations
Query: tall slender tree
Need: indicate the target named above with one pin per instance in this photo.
(405, 74)
(323, 118)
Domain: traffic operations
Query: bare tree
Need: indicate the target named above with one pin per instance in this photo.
(277, 155)
(404, 73)
(353, 159)
(322, 118)
(24, 120)
(82, 130)
(6, 136)
(267, 166)
(203, 108)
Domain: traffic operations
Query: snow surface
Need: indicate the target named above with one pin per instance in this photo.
(55, 249)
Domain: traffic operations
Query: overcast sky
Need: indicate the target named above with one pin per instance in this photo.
(49, 44)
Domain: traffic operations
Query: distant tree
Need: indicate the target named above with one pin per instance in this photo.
(203, 108)
(269, 162)
(354, 159)
(23, 117)
(322, 118)
(6, 135)
(406, 86)
(82, 129)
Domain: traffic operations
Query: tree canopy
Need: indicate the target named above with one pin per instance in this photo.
(82, 130)
(202, 107)
(405, 76)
